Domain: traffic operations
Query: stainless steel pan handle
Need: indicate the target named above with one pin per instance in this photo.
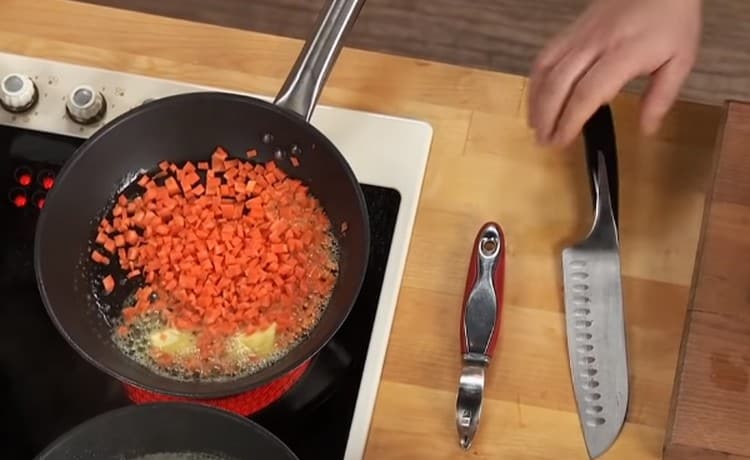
(309, 74)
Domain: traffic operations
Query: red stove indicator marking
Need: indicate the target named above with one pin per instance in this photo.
(48, 182)
(38, 199)
(20, 200)
(24, 179)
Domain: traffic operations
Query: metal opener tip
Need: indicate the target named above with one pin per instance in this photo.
(469, 404)
(465, 442)
(467, 426)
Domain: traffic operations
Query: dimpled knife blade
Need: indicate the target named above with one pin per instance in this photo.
(594, 315)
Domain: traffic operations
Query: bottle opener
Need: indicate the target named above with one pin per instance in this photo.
(480, 324)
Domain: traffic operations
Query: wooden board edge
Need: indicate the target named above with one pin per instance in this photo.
(697, 271)
(683, 452)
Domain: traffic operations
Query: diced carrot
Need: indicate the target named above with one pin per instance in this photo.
(108, 283)
(279, 248)
(217, 160)
(220, 153)
(198, 190)
(97, 257)
(131, 236)
(243, 248)
(151, 194)
(192, 178)
(109, 245)
(172, 187)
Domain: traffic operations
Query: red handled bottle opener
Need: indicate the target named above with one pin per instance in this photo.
(480, 324)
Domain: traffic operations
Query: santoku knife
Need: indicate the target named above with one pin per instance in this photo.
(594, 302)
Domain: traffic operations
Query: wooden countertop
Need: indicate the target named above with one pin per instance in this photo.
(711, 408)
(483, 166)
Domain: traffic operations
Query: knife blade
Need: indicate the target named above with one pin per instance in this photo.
(481, 313)
(595, 323)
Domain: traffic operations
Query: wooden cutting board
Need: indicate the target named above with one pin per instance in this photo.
(484, 165)
(711, 407)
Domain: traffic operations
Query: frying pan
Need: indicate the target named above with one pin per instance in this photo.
(189, 127)
(188, 429)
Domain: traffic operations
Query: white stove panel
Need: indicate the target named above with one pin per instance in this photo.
(382, 150)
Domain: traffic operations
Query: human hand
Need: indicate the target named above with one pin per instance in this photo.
(611, 43)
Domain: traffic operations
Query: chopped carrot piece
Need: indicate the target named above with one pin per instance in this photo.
(236, 248)
(109, 245)
(108, 282)
(198, 190)
(97, 257)
(191, 178)
(131, 237)
(220, 154)
(172, 187)
(101, 237)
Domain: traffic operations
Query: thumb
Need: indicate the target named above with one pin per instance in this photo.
(662, 91)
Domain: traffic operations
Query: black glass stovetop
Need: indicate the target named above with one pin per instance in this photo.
(46, 388)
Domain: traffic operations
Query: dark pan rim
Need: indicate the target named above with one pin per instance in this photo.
(181, 408)
(207, 390)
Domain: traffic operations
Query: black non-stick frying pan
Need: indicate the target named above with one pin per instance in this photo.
(167, 431)
(189, 127)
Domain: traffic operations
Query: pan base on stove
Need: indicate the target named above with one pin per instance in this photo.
(180, 456)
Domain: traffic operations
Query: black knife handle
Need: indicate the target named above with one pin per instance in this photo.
(599, 136)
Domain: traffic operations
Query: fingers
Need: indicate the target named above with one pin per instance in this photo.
(553, 89)
(662, 91)
(546, 59)
(601, 83)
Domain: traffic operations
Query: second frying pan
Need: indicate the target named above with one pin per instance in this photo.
(167, 431)
(189, 127)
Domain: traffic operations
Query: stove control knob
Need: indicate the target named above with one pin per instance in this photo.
(18, 93)
(85, 105)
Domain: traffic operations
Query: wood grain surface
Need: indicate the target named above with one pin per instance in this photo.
(484, 165)
(501, 35)
(712, 401)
